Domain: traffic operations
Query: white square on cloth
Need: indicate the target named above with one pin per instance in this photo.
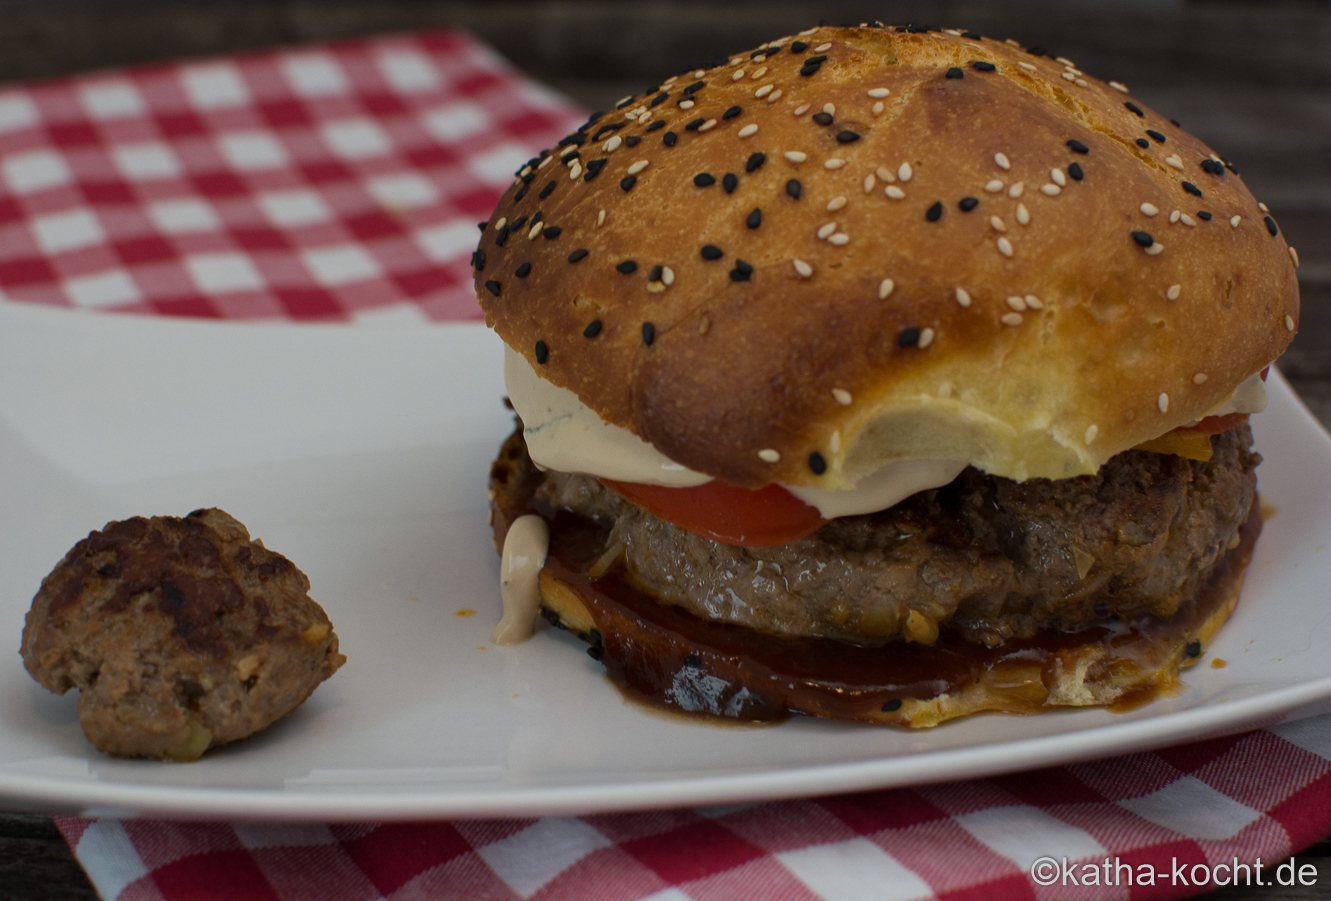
(456, 121)
(16, 112)
(497, 165)
(36, 170)
(1190, 806)
(145, 161)
(178, 217)
(529, 859)
(250, 151)
(1024, 834)
(109, 857)
(69, 230)
(215, 273)
(405, 190)
(448, 241)
(314, 75)
(340, 265)
(111, 100)
(214, 86)
(356, 139)
(289, 209)
(854, 870)
(102, 289)
(409, 71)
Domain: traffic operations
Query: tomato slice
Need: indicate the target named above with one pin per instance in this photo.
(1214, 425)
(762, 518)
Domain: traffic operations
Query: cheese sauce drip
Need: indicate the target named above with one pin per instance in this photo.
(525, 549)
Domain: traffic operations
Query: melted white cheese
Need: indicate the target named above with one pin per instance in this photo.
(525, 547)
(1248, 397)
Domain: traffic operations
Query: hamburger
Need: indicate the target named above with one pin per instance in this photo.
(884, 374)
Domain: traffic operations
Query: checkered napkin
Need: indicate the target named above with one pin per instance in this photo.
(345, 182)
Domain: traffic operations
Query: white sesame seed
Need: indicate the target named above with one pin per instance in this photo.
(802, 269)
(764, 90)
(534, 231)
(1065, 61)
(667, 275)
(778, 43)
(993, 187)
(1002, 161)
(877, 108)
(1091, 431)
(642, 120)
(963, 297)
(739, 73)
(997, 224)
(747, 130)
(840, 239)
(1013, 319)
(1016, 303)
(926, 338)
(885, 288)
(795, 156)
(1174, 291)
(1050, 190)
(545, 162)
(1154, 249)
(842, 396)
(1149, 209)
(669, 81)
(807, 32)
(524, 172)
(612, 144)
(700, 73)
(574, 171)
(774, 96)
(833, 163)
(1175, 216)
(760, 72)
(1015, 191)
(1068, 76)
(1013, 42)
(1188, 220)
(1294, 257)
(835, 204)
(894, 192)
(878, 93)
(600, 218)
(1027, 66)
(708, 125)
(826, 230)
(885, 174)
(868, 183)
(1082, 83)
(1163, 402)
(563, 154)
(1058, 178)
(1004, 247)
(1174, 161)
(800, 110)
(1023, 214)
(829, 108)
(821, 47)
(503, 220)
(953, 32)
(1033, 302)
(1121, 88)
(769, 455)
(632, 115)
(655, 287)
(1261, 206)
(638, 166)
(1289, 323)
(1199, 378)
(1234, 221)
(686, 104)
(904, 172)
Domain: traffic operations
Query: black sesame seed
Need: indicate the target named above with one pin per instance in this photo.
(1204, 215)
(982, 66)
(694, 125)
(793, 188)
(600, 132)
(1143, 238)
(596, 652)
(576, 139)
(501, 237)
(547, 190)
(806, 71)
(659, 99)
(1078, 146)
(729, 182)
(526, 179)
(542, 352)
(1213, 167)
(954, 72)
(517, 223)
(759, 53)
(567, 158)
(659, 123)
(732, 112)
(755, 218)
(655, 275)
(537, 217)
(591, 120)
(935, 212)
(482, 225)
(648, 333)
(669, 138)
(551, 231)
(625, 102)
(593, 329)
(1230, 166)
(1134, 108)
(895, 704)
(1155, 136)
(478, 260)
(968, 203)
(822, 118)
(712, 252)
(1176, 122)
(704, 179)
(1143, 143)
(817, 463)
(1271, 226)
(755, 160)
(628, 182)
(627, 267)
(632, 140)
(971, 35)
(1193, 648)
(909, 337)
(579, 254)
(594, 168)
(694, 88)
(816, 60)
(492, 287)
(739, 275)
(1075, 173)
(522, 192)
(846, 137)
(1037, 50)
(521, 271)
(1192, 189)
(798, 47)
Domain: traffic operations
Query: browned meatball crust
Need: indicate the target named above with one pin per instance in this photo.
(180, 634)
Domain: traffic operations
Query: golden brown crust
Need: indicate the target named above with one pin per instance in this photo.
(742, 366)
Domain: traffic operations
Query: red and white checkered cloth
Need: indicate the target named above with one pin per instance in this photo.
(345, 182)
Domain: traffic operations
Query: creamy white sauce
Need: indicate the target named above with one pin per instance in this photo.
(525, 548)
(1248, 397)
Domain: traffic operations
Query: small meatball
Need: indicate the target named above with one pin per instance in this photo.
(180, 634)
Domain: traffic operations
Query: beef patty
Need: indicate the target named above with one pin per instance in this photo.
(988, 557)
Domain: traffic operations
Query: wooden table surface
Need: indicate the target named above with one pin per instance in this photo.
(1253, 80)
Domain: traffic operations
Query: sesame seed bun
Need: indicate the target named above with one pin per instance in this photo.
(958, 261)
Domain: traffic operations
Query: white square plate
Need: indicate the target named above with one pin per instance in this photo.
(361, 454)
